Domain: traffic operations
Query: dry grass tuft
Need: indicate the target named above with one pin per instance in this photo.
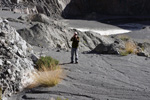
(48, 73)
(46, 77)
(130, 47)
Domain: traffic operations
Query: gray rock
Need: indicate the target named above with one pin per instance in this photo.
(34, 58)
(14, 60)
(109, 45)
(55, 35)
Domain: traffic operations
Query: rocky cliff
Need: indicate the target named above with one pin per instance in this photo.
(84, 8)
(52, 8)
(14, 59)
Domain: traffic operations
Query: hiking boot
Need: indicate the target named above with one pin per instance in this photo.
(71, 62)
(76, 62)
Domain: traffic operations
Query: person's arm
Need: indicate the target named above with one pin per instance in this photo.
(72, 38)
(77, 39)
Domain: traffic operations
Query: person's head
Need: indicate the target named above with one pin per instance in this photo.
(75, 33)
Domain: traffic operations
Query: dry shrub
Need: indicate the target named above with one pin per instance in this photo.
(48, 73)
(130, 47)
(46, 77)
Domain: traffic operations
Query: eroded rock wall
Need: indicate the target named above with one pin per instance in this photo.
(14, 60)
(82, 8)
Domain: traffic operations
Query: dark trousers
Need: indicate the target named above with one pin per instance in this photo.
(74, 51)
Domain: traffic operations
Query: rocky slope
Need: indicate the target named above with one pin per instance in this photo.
(80, 8)
(15, 63)
(52, 8)
(43, 31)
(49, 33)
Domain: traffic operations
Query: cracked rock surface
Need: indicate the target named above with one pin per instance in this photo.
(96, 77)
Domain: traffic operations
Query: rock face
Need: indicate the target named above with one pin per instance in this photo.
(53, 34)
(14, 61)
(52, 8)
(109, 46)
(83, 8)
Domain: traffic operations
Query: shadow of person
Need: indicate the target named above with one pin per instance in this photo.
(65, 63)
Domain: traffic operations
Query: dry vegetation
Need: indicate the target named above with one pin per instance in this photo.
(130, 48)
(124, 37)
(58, 98)
(48, 73)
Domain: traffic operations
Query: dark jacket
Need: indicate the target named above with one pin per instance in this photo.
(75, 42)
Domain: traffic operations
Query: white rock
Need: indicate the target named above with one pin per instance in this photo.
(1, 62)
(9, 71)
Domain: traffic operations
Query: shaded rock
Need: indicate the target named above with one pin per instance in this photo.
(144, 53)
(109, 46)
(34, 58)
(94, 9)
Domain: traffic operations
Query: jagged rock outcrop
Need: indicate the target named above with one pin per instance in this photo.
(109, 45)
(84, 8)
(14, 60)
(122, 46)
(52, 8)
(53, 34)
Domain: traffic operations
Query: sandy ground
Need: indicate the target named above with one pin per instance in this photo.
(96, 77)
(9, 14)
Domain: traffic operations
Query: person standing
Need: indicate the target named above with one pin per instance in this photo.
(75, 45)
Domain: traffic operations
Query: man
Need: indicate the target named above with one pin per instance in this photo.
(75, 45)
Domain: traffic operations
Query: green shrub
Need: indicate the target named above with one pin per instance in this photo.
(58, 98)
(48, 62)
(124, 53)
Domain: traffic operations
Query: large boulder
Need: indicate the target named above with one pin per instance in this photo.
(109, 45)
(14, 60)
(35, 18)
